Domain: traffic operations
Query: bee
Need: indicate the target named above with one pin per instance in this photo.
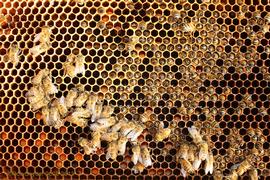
(162, 133)
(109, 136)
(145, 118)
(48, 86)
(112, 150)
(71, 96)
(186, 167)
(86, 144)
(117, 126)
(44, 36)
(218, 175)
(97, 111)
(136, 153)
(39, 49)
(183, 151)
(36, 98)
(232, 176)
(138, 168)
(69, 69)
(54, 118)
(96, 136)
(13, 54)
(81, 99)
(127, 128)
(190, 27)
(243, 167)
(121, 143)
(192, 151)
(60, 105)
(106, 111)
(102, 124)
(80, 2)
(253, 173)
(79, 117)
(209, 165)
(37, 80)
(194, 133)
(145, 157)
(134, 134)
(267, 18)
(203, 153)
(197, 163)
(265, 28)
(91, 102)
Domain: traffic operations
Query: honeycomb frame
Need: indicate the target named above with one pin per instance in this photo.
(219, 73)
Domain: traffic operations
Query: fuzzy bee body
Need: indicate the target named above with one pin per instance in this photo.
(145, 158)
(136, 153)
(243, 167)
(127, 128)
(97, 111)
(49, 87)
(209, 165)
(81, 99)
(117, 126)
(39, 49)
(60, 105)
(122, 141)
(13, 55)
(134, 134)
(112, 150)
(203, 153)
(194, 133)
(37, 80)
(162, 134)
(87, 146)
(71, 96)
(186, 167)
(91, 102)
(253, 173)
(110, 136)
(138, 168)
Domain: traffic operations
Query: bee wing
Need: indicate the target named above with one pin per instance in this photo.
(36, 50)
(133, 135)
(184, 173)
(196, 164)
(37, 37)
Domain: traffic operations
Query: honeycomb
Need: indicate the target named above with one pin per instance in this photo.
(202, 62)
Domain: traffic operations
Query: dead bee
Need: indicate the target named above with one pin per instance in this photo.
(81, 99)
(209, 165)
(13, 54)
(71, 96)
(97, 111)
(121, 143)
(109, 136)
(60, 105)
(44, 36)
(87, 145)
(39, 49)
(112, 150)
(186, 167)
(136, 153)
(145, 157)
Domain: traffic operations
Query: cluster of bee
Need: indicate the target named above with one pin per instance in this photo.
(42, 41)
(239, 169)
(191, 154)
(116, 132)
(13, 55)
